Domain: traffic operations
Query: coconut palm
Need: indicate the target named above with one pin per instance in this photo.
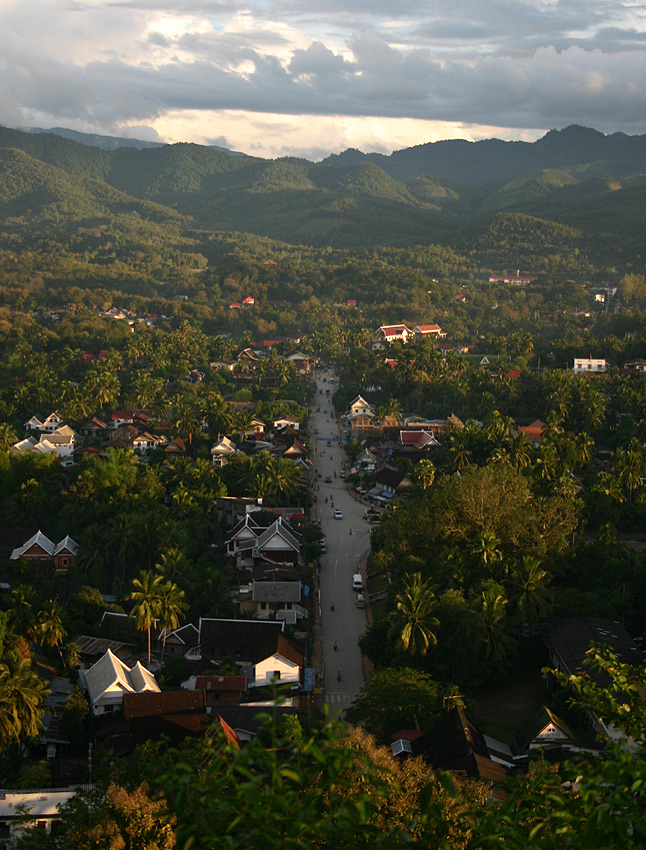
(21, 613)
(531, 596)
(49, 626)
(22, 693)
(492, 622)
(629, 466)
(8, 436)
(146, 596)
(171, 609)
(413, 620)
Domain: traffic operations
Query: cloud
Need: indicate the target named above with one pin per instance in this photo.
(507, 64)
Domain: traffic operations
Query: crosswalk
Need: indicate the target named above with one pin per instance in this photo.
(338, 700)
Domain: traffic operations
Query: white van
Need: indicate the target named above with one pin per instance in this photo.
(357, 583)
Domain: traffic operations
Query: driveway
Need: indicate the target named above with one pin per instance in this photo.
(346, 623)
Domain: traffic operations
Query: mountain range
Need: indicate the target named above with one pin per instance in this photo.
(429, 193)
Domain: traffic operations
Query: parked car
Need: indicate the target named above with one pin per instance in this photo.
(342, 473)
(337, 514)
(322, 544)
(361, 600)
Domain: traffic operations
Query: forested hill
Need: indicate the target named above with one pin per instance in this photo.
(429, 194)
(579, 150)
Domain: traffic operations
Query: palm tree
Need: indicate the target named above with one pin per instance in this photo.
(492, 622)
(629, 466)
(146, 596)
(486, 550)
(287, 477)
(531, 597)
(413, 619)
(185, 419)
(22, 693)
(21, 614)
(50, 625)
(171, 609)
(172, 563)
(8, 436)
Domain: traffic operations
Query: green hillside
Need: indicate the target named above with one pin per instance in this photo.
(37, 192)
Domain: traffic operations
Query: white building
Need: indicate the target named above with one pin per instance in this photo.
(586, 365)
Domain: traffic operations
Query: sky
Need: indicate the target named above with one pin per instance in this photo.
(312, 77)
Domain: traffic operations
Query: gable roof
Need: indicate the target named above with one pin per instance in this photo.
(455, 744)
(255, 640)
(536, 724)
(279, 528)
(110, 674)
(39, 539)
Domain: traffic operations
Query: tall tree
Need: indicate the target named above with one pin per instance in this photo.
(171, 609)
(413, 620)
(146, 597)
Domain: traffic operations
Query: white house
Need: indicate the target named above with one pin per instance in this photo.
(41, 806)
(109, 679)
(47, 426)
(283, 665)
(391, 333)
(63, 440)
(587, 365)
(222, 451)
(360, 407)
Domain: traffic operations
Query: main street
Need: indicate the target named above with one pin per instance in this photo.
(344, 552)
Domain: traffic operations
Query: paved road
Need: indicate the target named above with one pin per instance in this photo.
(344, 553)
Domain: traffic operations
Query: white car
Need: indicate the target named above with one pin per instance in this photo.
(338, 514)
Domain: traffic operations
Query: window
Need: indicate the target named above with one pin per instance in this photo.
(275, 674)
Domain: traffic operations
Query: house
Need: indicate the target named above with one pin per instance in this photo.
(109, 679)
(428, 330)
(258, 647)
(281, 600)
(366, 462)
(638, 365)
(360, 406)
(286, 421)
(583, 365)
(179, 641)
(390, 482)
(46, 426)
(41, 548)
(545, 732)
(392, 333)
(454, 744)
(418, 439)
(251, 544)
(63, 440)
(41, 806)
(221, 451)
(569, 638)
(93, 427)
(535, 431)
(301, 362)
(218, 690)
(249, 301)
(94, 648)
